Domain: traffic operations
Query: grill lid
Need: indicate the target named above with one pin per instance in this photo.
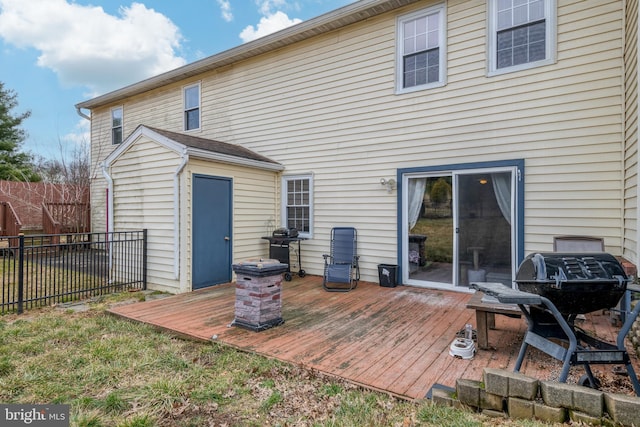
(574, 282)
(571, 267)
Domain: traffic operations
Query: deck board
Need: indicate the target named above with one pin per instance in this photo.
(391, 339)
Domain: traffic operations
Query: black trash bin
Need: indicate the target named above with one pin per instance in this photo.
(387, 275)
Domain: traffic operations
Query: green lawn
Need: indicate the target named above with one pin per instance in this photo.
(439, 232)
(114, 372)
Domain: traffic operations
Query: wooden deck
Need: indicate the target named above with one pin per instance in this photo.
(391, 339)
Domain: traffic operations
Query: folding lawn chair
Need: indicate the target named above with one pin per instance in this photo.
(341, 265)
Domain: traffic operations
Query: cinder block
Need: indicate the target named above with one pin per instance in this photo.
(549, 414)
(557, 394)
(510, 384)
(589, 401)
(496, 381)
(520, 408)
(468, 392)
(581, 417)
(623, 409)
(523, 386)
(444, 398)
(491, 401)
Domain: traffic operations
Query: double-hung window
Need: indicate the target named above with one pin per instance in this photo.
(191, 95)
(116, 125)
(522, 34)
(421, 50)
(297, 209)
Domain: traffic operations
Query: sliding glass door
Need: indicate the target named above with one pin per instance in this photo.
(459, 226)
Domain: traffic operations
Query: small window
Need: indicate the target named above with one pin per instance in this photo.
(522, 34)
(297, 208)
(421, 59)
(116, 125)
(192, 107)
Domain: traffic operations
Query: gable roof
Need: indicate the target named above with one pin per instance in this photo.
(194, 146)
(347, 15)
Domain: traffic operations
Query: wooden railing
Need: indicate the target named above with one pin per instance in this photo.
(10, 224)
(62, 218)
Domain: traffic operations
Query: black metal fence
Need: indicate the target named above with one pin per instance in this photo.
(46, 269)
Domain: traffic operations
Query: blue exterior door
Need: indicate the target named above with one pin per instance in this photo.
(211, 241)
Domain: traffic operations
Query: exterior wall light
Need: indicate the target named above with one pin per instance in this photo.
(389, 183)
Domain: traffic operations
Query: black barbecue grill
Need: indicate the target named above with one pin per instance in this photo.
(575, 283)
(281, 244)
(553, 289)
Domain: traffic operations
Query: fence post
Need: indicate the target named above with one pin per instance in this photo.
(144, 259)
(21, 273)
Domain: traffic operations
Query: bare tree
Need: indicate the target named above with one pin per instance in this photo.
(70, 179)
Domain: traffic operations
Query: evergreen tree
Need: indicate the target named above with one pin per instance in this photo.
(14, 165)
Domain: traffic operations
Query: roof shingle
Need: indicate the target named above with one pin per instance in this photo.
(212, 145)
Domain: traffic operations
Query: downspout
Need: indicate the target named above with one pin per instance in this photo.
(109, 208)
(110, 197)
(176, 214)
(81, 114)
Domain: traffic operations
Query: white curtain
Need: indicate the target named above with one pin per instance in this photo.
(502, 189)
(416, 196)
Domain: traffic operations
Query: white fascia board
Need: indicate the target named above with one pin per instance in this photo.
(140, 132)
(240, 161)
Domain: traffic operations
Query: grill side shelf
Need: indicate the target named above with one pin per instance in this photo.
(506, 295)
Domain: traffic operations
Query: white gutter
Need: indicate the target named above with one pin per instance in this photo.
(81, 114)
(110, 199)
(176, 214)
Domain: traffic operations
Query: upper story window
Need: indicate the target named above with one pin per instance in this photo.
(116, 125)
(522, 34)
(421, 50)
(297, 206)
(191, 95)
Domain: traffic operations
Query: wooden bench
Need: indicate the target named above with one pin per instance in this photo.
(485, 316)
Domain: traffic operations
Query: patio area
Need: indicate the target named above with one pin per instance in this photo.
(389, 339)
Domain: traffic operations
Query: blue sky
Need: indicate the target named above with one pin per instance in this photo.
(56, 53)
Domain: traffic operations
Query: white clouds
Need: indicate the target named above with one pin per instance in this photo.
(267, 25)
(271, 20)
(266, 7)
(80, 135)
(225, 10)
(85, 46)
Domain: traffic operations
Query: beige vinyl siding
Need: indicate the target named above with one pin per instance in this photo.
(630, 244)
(254, 192)
(334, 113)
(143, 186)
(161, 108)
(100, 148)
(327, 106)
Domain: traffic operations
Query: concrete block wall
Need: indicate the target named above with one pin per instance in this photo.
(509, 394)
